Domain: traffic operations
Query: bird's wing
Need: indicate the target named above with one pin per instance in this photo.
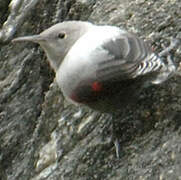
(124, 55)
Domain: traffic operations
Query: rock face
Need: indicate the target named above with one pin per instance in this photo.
(44, 137)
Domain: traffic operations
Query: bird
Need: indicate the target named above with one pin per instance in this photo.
(103, 67)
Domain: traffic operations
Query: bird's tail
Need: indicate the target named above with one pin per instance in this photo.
(166, 71)
(161, 68)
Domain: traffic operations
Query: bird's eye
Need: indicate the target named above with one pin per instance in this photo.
(61, 35)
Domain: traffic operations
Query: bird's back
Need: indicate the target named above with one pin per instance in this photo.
(102, 69)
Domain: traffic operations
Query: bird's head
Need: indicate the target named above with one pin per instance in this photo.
(58, 39)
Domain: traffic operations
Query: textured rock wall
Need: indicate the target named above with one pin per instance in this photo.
(44, 137)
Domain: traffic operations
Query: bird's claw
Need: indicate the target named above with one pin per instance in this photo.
(174, 43)
(117, 147)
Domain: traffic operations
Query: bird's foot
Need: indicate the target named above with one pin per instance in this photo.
(117, 147)
(170, 68)
(174, 43)
(115, 138)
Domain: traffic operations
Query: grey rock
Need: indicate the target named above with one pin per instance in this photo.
(44, 137)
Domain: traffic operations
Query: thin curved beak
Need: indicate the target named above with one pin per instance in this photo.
(33, 38)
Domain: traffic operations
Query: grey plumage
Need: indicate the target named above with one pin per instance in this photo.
(103, 67)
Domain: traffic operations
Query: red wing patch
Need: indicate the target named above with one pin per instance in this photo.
(87, 93)
(96, 86)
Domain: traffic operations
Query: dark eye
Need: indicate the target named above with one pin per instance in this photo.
(61, 35)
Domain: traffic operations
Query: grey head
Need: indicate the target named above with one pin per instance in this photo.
(58, 39)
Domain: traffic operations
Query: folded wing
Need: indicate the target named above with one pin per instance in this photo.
(127, 54)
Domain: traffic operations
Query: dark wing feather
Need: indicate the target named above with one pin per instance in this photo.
(126, 52)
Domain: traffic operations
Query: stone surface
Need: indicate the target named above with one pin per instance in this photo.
(44, 137)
